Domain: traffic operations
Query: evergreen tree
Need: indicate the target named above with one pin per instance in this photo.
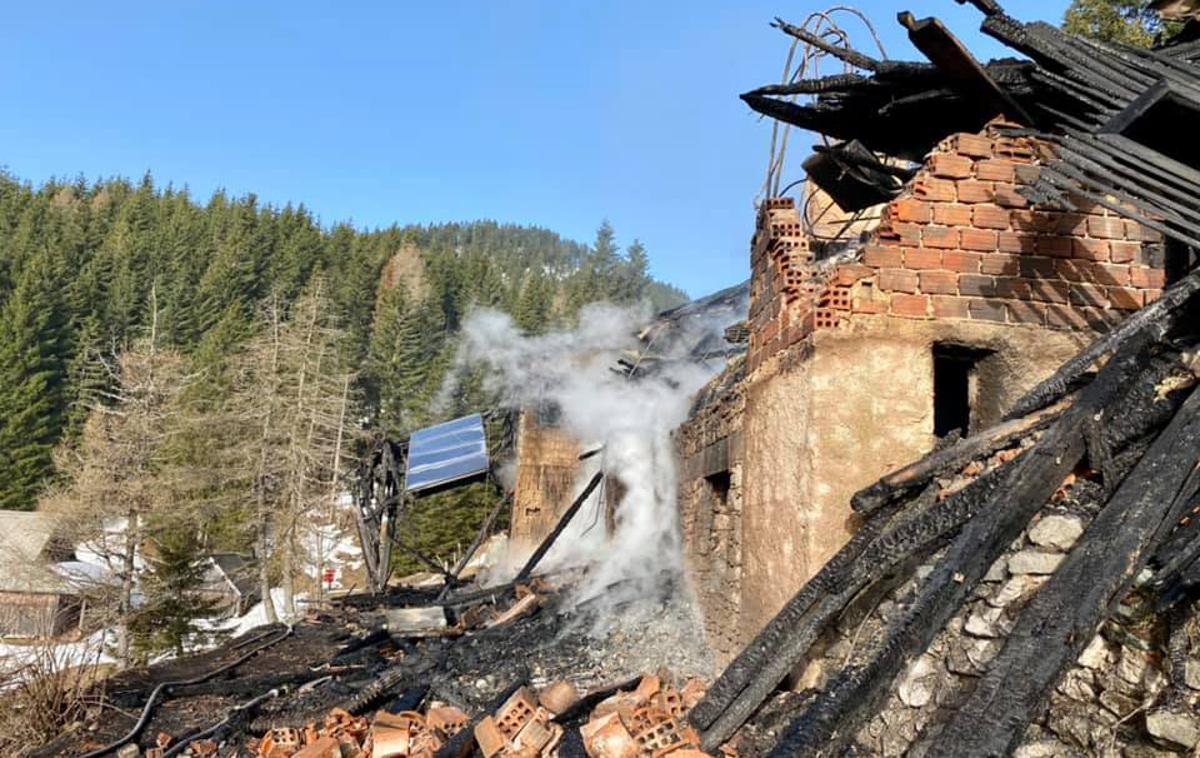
(408, 357)
(33, 351)
(173, 609)
(535, 304)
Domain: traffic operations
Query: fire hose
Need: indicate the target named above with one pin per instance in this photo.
(162, 687)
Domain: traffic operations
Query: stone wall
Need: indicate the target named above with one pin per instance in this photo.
(710, 485)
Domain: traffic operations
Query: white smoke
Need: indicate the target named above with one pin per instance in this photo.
(632, 419)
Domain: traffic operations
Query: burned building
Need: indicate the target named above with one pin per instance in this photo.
(869, 347)
(1022, 586)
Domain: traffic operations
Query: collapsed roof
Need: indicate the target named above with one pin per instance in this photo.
(1112, 114)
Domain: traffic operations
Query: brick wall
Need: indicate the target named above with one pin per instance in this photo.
(961, 242)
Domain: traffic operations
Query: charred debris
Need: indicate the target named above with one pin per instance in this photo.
(1033, 584)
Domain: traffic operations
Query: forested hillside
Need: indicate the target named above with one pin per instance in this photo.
(90, 270)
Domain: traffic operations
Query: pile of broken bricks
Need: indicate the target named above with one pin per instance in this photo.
(646, 722)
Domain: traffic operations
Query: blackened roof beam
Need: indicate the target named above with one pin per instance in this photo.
(944, 50)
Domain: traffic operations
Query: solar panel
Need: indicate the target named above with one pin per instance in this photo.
(446, 453)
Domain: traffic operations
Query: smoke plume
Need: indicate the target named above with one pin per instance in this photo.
(630, 418)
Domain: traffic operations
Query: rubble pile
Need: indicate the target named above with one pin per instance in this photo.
(649, 721)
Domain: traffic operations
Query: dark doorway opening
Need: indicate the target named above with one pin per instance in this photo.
(953, 378)
(718, 487)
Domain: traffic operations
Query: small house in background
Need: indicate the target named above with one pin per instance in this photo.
(35, 599)
(230, 583)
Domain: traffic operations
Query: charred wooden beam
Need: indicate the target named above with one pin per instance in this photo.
(835, 716)
(1053, 629)
(480, 536)
(893, 538)
(944, 50)
(569, 514)
(853, 57)
(948, 460)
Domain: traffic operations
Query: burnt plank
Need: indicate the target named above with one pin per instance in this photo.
(944, 50)
(1052, 631)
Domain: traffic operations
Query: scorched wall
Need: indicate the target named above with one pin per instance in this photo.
(854, 358)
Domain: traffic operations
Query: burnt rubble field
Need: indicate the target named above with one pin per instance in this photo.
(341, 660)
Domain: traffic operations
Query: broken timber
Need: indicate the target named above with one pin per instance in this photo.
(834, 717)
(1064, 616)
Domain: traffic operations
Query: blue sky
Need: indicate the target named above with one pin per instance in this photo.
(559, 113)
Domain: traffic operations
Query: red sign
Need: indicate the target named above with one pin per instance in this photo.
(329, 576)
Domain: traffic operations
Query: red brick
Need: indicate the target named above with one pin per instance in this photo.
(769, 332)
(1007, 197)
(1112, 275)
(1091, 250)
(1034, 221)
(963, 263)
(1022, 312)
(1027, 174)
(1039, 268)
(970, 191)
(939, 236)
(1075, 270)
(1016, 242)
(1136, 231)
(949, 307)
(990, 217)
(974, 284)
(1102, 319)
(1151, 254)
(935, 190)
(1147, 278)
(910, 306)
(907, 209)
(1000, 265)
(897, 280)
(1012, 287)
(979, 239)
(973, 145)
(950, 166)
(995, 170)
(1058, 247)
(909, 235)
(880, 256)
(988, 310)
(1089, 294)
(1048, 291)
(939, 282)
(1124, 252)
(1126, 298)
(1106, 227)
(1152, 295)
(922, 259)
(952, 214)
(1070, 224)
(849, 273)
(1064, 317)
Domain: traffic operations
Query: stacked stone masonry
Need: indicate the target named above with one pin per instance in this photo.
(710, 444)
(961, 242)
